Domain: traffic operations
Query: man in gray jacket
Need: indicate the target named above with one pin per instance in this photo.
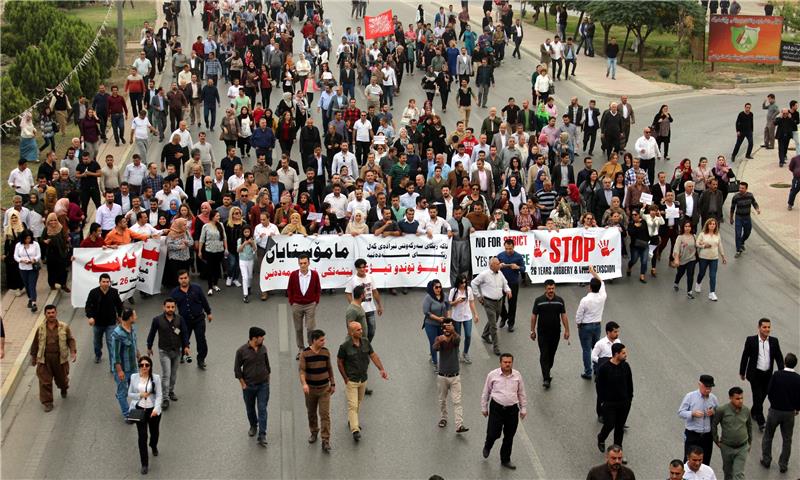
(769, 128)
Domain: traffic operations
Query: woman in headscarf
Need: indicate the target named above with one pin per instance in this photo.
(723, 173)
(179, 244)
(233, 230)
(295, 226)
(357, 224)
(50, 199)
(28, 150)
(435, 309)
(516, 194)
(36, 216)
(199, 221)
(13, 231)
(498, 220)
(56, 239)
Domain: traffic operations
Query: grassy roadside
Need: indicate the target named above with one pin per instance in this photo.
(133, 20)
(659, 64)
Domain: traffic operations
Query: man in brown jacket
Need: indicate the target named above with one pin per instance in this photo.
(52, 346)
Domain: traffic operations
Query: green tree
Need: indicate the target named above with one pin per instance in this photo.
(605, 14)
(40, 68)
(14, 101)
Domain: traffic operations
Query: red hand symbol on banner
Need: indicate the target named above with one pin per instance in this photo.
(537, 250)
(604, 250)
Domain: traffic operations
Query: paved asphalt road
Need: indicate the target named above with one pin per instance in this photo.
(204, 435)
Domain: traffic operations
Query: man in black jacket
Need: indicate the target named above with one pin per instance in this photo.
(744, 130)
(173, 337)
(615, 391)
(784, 403)
(590, 124)
(100, 106)
(760, 353)
(314, 185)
(309, 140)
(103, 308)
(611, 132)
(783, 134)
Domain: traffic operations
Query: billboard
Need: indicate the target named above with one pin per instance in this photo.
(744, 39)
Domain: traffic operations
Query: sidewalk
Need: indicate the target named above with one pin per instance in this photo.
(779, 227)
(590, 71)
(20, 325)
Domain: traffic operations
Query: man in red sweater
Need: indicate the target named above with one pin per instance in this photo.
(304, 291)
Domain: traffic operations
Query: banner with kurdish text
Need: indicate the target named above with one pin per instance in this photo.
(563, 255)
(137, 266)
(744, 39)
(406, 261)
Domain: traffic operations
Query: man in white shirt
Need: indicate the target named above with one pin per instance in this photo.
(287, 175)
(647, 151)
(338, 203)
(372, 298)
(237, 179)
(186, 136)
(21, 179)
(142, 227)
(134, 175)
(107, 213)
(557, 57)
(461, 156)
(695, 469)
(261, 234)
(358, 203)
(490, 286)
(166, 196)
(345, 158)
(362, 133)
(482, 146)
(233, 91)
(389, 84)
(434, 224)
(588, 318)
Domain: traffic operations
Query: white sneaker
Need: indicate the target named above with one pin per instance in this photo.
(210, 292)
(217, 289)
(712, 296)
(228, 282)
(697, 288)
(237, 283)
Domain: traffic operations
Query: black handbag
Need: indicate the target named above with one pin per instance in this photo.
(639, 243)
(137, 415)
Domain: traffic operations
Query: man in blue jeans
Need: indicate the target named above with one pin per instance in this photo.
(512, 266)
(103, 309)
(124, 354)
(194, 308)
(251, 367)
(741, 204)
(589, 317)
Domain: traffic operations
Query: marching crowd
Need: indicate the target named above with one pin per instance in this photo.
(372, 168)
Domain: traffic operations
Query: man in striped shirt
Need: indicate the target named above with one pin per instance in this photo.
(316, 377)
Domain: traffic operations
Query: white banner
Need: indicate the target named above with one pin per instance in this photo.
(151, 268)
(405, 261)
(121, 263)
(563, 255)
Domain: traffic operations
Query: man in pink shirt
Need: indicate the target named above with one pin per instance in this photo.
(505, 403)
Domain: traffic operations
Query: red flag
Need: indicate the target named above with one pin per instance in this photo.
(378, 26)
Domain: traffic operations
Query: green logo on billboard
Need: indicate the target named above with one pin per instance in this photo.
(744, 38)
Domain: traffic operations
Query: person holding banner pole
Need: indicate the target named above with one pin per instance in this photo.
(512, 266)
(262, 232)
(490, 286)
(549, 313)
(588, 318)
(461, 263)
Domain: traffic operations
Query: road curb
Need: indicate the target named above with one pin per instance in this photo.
(583, 85)
(762, 230)
(22, 362)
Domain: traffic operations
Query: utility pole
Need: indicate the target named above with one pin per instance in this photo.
(120, 35)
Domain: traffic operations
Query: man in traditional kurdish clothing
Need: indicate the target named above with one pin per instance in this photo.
(52, 347)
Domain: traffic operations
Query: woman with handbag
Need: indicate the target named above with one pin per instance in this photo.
(213, 249)
(709, 251)
(28, 255)
(640, 242)
(684, 258)
(56, 239)
(145, 397)
(652, 217)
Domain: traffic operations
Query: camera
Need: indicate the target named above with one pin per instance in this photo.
(187, 358)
